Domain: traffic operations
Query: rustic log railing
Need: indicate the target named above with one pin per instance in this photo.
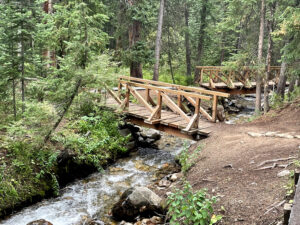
(217, 74)
(169, 95)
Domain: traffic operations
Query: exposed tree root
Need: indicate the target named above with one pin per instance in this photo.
(275, 160)
(274, 206)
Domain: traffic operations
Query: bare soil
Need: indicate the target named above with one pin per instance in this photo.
(226, 167)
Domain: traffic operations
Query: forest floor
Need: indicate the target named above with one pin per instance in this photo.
(228, 161)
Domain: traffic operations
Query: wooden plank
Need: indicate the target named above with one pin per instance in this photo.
(137, 111)
(172, 120)
(202, 110)
(140, 113)
(174, 92)
(140, 98)
(192, 123)
(168, 101)
(176, 86)
(127, 96)
(154, 114)
(112, 94)
(295, 213)
(119, 90)
(214, 108)
(148, 97)
(169, 116)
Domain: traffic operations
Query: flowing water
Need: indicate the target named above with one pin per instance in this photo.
(94, 196)
(248, 109)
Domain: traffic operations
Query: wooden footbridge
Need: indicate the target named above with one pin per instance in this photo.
(162, 106)
(242, 81)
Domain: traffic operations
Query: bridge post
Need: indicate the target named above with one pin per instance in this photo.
(214, 108)
(197, 112)
(179, 99)
(159, 105)
(119, 89)
(127, 96)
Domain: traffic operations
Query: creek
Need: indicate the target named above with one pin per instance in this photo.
(93, 196)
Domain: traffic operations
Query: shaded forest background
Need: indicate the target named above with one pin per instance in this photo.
(51, 50)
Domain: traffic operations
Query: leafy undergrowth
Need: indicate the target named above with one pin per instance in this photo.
(191, 208)
(28, 167)
(95, 139)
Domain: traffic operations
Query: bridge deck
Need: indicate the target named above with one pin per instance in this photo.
(239, 87)
(168, 119)
(156, 97)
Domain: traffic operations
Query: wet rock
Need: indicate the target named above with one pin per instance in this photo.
(283, 173)
(150, 140)
(156, 220)
(40, 222)
(174, 177)
(164, 183)
(152, 134)
(140, 139)
(125, 223)
(137, 201)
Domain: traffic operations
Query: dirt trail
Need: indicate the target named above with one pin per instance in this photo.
(226, 167)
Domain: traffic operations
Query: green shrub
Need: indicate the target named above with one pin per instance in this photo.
(186, 159)
(95, 139)
(191, 208)
(84, 104)
(27, 171)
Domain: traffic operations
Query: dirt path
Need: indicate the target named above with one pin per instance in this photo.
(226, 167)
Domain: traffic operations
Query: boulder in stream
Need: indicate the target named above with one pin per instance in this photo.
(137, 201)
(40, 222)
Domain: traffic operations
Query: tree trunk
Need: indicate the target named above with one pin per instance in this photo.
(134, 37)
(269, 59)
(282, 80)
(170, 57)
(187, 40)
(201, 37)
(22, 69)
(50, 56)
(158, 39)
(14, 98)
(260, 53)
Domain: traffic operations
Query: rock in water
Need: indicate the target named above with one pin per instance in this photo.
(137, 201)
(40, 222)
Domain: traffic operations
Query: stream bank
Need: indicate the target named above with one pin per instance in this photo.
(91, 198)
(141, 165)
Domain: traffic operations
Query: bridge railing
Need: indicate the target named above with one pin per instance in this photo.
(170, 95)
(216, 74)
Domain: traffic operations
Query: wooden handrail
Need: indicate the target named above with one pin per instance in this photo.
(176, 86)
(229, 76)
(167, 94)
(170, 91)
